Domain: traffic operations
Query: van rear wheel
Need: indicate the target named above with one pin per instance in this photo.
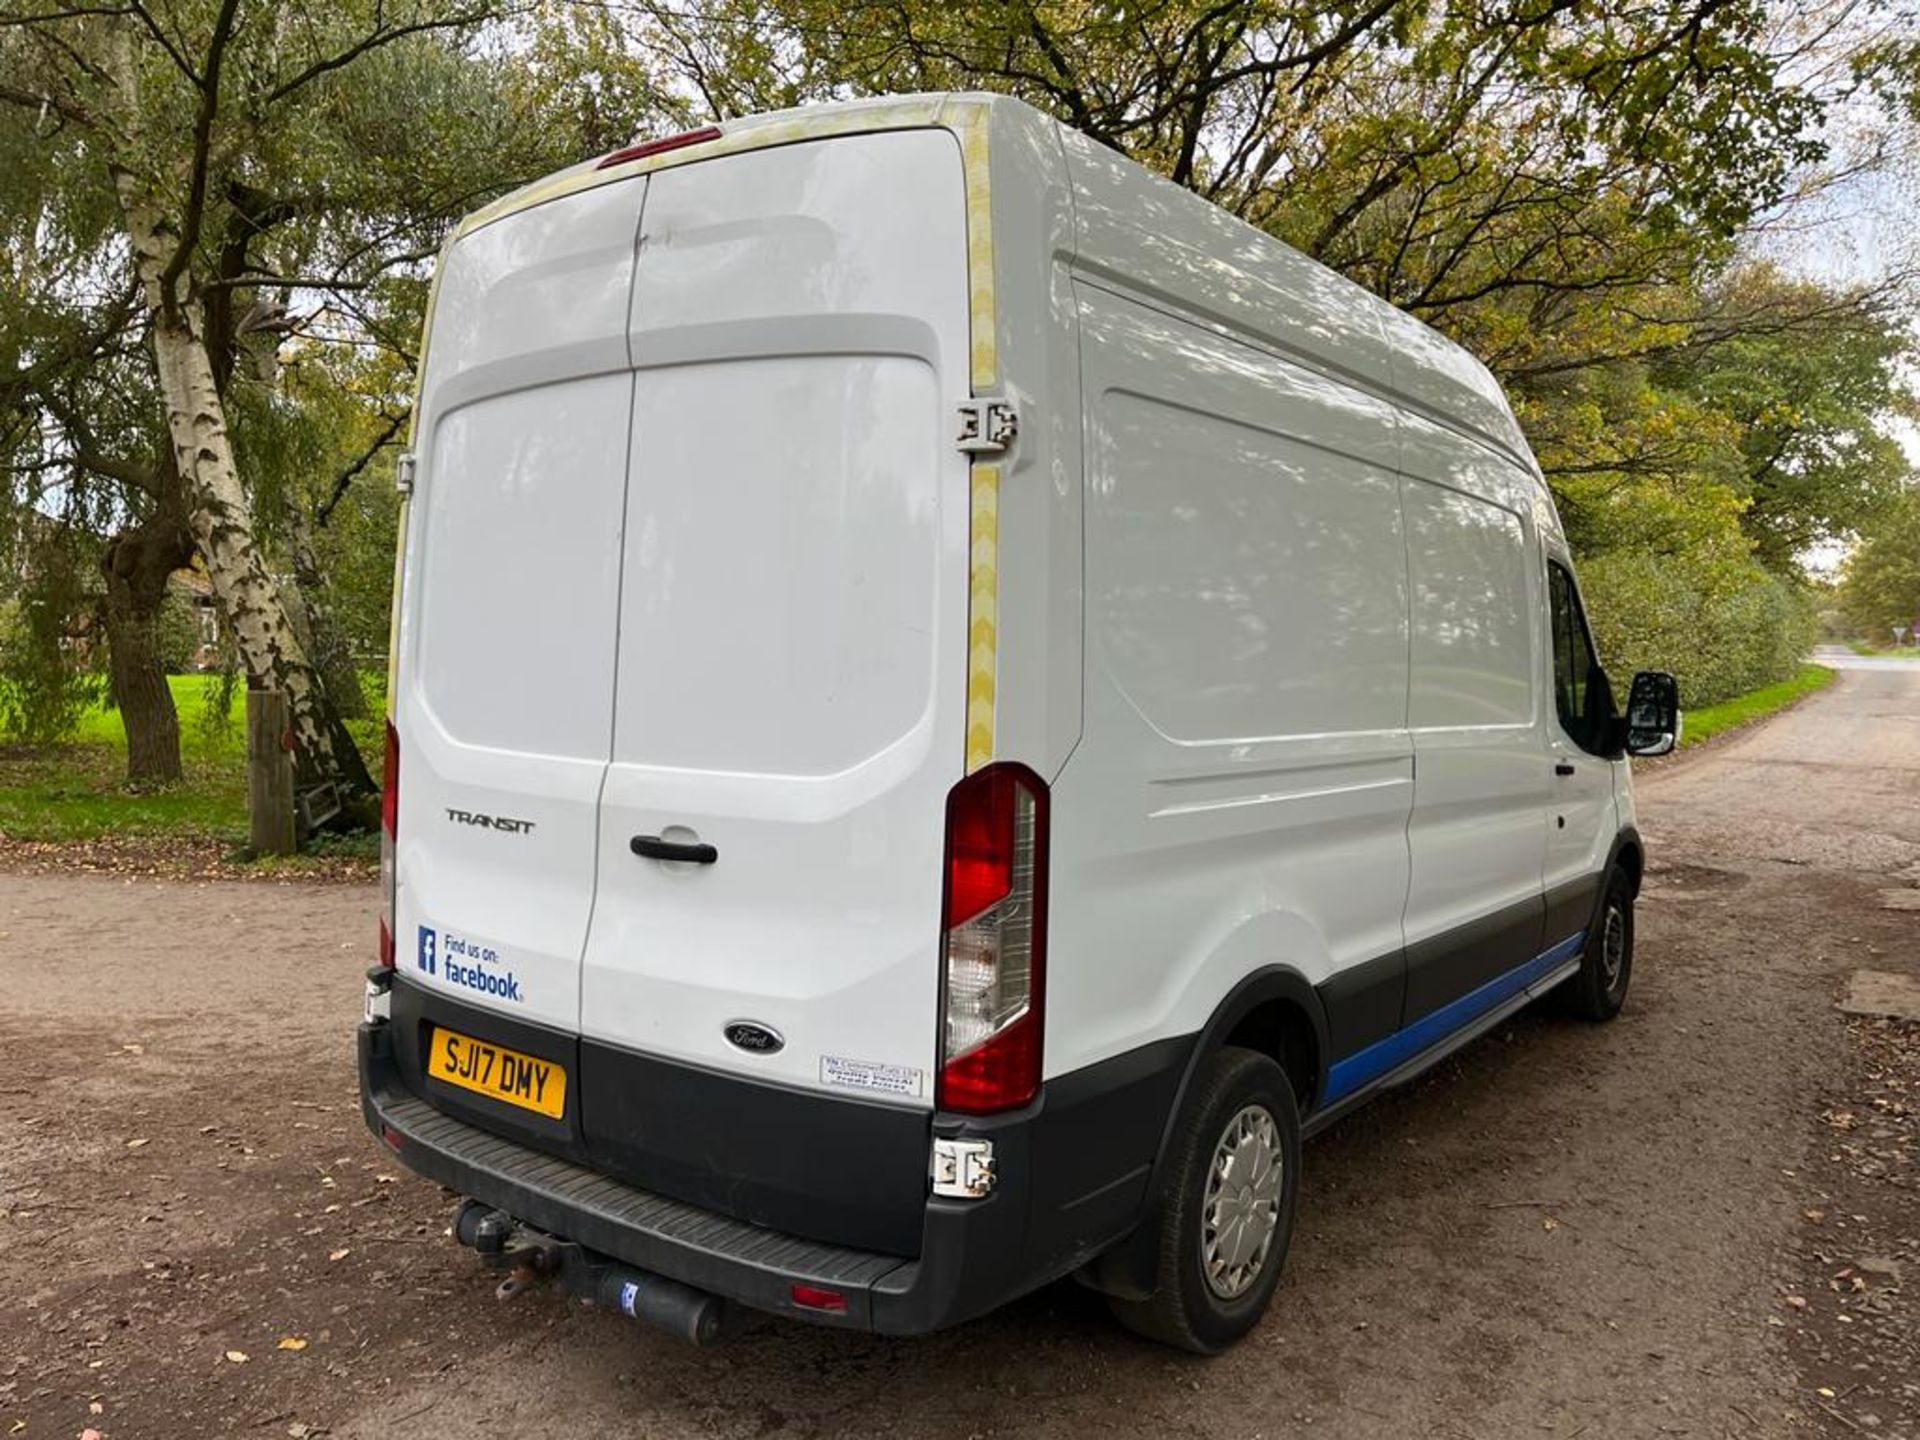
(1599, 988)
(1226, 1207)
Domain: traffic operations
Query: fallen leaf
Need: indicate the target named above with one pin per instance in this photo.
(136, 1144)
(339, 1254)
(238, 1357)
(292, 1342)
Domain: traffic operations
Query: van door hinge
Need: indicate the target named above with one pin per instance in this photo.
(987, 427)
(963, 1169)
(403, 469)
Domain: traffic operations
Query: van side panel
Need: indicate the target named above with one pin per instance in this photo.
(1474, 909)
(507, 621)
(1241, 790)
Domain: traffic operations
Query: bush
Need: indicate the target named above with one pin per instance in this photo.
(49, 670)
(1722, 629)
(179, 631)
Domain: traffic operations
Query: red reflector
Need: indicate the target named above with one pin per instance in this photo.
(812, 1297)
(979, 843)
(391, 1136)
(390, 786)
(386, 944)
(655, 147)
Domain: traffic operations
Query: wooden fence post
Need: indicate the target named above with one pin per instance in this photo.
(270, 801)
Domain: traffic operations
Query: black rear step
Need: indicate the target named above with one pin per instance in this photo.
(665, 1237)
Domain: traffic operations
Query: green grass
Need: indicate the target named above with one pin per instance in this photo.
(1711, 720)
(1901, 652)
(77, 790)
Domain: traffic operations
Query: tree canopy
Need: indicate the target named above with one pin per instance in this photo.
(218, 218)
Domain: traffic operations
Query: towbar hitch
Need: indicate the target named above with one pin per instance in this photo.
(531, 1256)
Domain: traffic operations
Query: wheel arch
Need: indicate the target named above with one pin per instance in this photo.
(1629, 856)
(1275, 1006)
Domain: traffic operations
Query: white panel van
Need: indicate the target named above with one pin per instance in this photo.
(951, 703)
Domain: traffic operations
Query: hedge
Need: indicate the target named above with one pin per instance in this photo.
(1723, 630)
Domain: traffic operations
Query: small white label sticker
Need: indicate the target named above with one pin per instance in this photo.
(870, 1075)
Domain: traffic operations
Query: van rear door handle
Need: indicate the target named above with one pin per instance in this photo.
(1560, 767)
(652, 847)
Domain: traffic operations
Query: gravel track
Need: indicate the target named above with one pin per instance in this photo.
(1561, 1231)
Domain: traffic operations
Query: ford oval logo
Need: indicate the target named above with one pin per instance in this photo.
(753, 1037)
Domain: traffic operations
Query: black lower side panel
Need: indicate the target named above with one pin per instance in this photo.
(1363, 1002)
(1570, 906)
(1442, 969)
(1094, 1141)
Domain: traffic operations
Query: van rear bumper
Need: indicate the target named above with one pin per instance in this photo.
(975, 1254)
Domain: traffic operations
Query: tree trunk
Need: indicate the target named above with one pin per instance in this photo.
(137, 563)
(326, 643)
(220, 511)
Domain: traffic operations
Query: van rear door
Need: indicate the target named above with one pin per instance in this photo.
(505, 682)
(792, 645)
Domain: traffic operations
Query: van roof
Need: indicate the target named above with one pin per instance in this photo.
(1416, 363)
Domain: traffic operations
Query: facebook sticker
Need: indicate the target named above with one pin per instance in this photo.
(426, 949)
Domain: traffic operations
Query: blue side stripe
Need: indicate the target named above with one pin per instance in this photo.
(1377, 1059)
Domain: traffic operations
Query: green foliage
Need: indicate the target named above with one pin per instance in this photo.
(1723, 630)
(75, 790)
(1710, 720)
(1880, 585)
(1565, 189)
(179, 631)
(46, 678)
(1805, 383)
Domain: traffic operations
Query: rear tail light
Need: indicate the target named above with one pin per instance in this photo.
(655, 147)
(389, 833)
(993, 963)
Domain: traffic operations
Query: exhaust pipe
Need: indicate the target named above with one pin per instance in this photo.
(692, 1314)
(528, 1255)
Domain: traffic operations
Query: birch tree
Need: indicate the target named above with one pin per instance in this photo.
(205, 122)
(274, 181)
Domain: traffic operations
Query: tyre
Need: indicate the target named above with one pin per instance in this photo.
(1599, 988)
(1226, 1206)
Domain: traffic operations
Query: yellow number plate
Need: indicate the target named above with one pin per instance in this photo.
(503, 1074)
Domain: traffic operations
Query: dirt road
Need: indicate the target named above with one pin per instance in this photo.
(1563, 1231)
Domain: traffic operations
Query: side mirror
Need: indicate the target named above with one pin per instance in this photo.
(1653, 713)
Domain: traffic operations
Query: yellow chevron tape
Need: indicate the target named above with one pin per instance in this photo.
(983, 615)
(970, 123)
